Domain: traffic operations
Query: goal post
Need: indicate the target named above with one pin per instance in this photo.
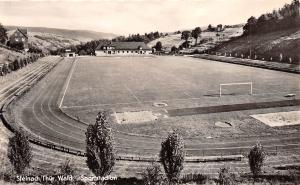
(250, 84)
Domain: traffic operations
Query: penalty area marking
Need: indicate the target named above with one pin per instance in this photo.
(68, 82)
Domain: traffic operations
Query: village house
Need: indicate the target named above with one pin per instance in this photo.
(123, 49)
(19, 36)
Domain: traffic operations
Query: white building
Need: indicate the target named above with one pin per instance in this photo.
(123, 49)
(69, 53)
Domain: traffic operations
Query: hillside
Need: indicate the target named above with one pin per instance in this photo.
(81, 35)
(7, 55)
(48, 41)
(208, 39)
(266, 45)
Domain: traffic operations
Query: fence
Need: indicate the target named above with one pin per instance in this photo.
(285, 67)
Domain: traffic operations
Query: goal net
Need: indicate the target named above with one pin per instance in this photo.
(236, 88)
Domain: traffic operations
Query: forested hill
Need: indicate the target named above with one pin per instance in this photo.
(273, 36)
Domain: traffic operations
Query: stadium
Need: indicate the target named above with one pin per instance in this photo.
(185, 93)
(147, 97)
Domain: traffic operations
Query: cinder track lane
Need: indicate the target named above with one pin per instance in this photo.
(44, 118)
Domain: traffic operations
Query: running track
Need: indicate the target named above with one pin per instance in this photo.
(42, 117)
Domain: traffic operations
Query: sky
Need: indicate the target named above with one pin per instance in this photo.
(125, 17)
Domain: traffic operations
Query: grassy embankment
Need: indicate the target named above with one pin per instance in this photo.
(266, 45)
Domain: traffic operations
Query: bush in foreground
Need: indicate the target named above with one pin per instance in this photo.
(256, 159)
(99, 147)
(19, 151)
(226, 178)
(194, 177)
(65, 169)
(153, 175)
(172, 156)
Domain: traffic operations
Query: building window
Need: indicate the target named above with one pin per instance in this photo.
(136, 51)
(127, 51)
(131, 51)
(123, 51)
(17, 39)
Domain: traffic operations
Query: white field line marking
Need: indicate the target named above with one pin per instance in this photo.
(131, 92)
(129, 103)
(163, 100)
(288, 92)
(68, 82)
(187, 94)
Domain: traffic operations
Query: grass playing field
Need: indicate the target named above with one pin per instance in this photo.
(113, 81)
(136, 83)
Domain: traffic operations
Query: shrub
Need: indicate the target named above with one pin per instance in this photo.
(19, 151)
(82, 52)
(3, 34)
(172, 156)
(197, 178)
(17, 45)
(174, 49)
(5, 69)
(11, 66)
(256, 159)
(153, 175)
(296, 59)
(158, 46)
(99, 146)
(65, 169)
(225, 177)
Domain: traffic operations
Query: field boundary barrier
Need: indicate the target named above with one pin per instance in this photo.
(243, 61)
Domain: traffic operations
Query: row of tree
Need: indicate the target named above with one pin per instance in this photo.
(195, 33)
(18, 63)
(185, 35)
(100, 155)
(284, 18)
(90, 47)
(81, 49)
(147, 37)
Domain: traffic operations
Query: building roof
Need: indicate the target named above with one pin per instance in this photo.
(23, 31)
(124, 45)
